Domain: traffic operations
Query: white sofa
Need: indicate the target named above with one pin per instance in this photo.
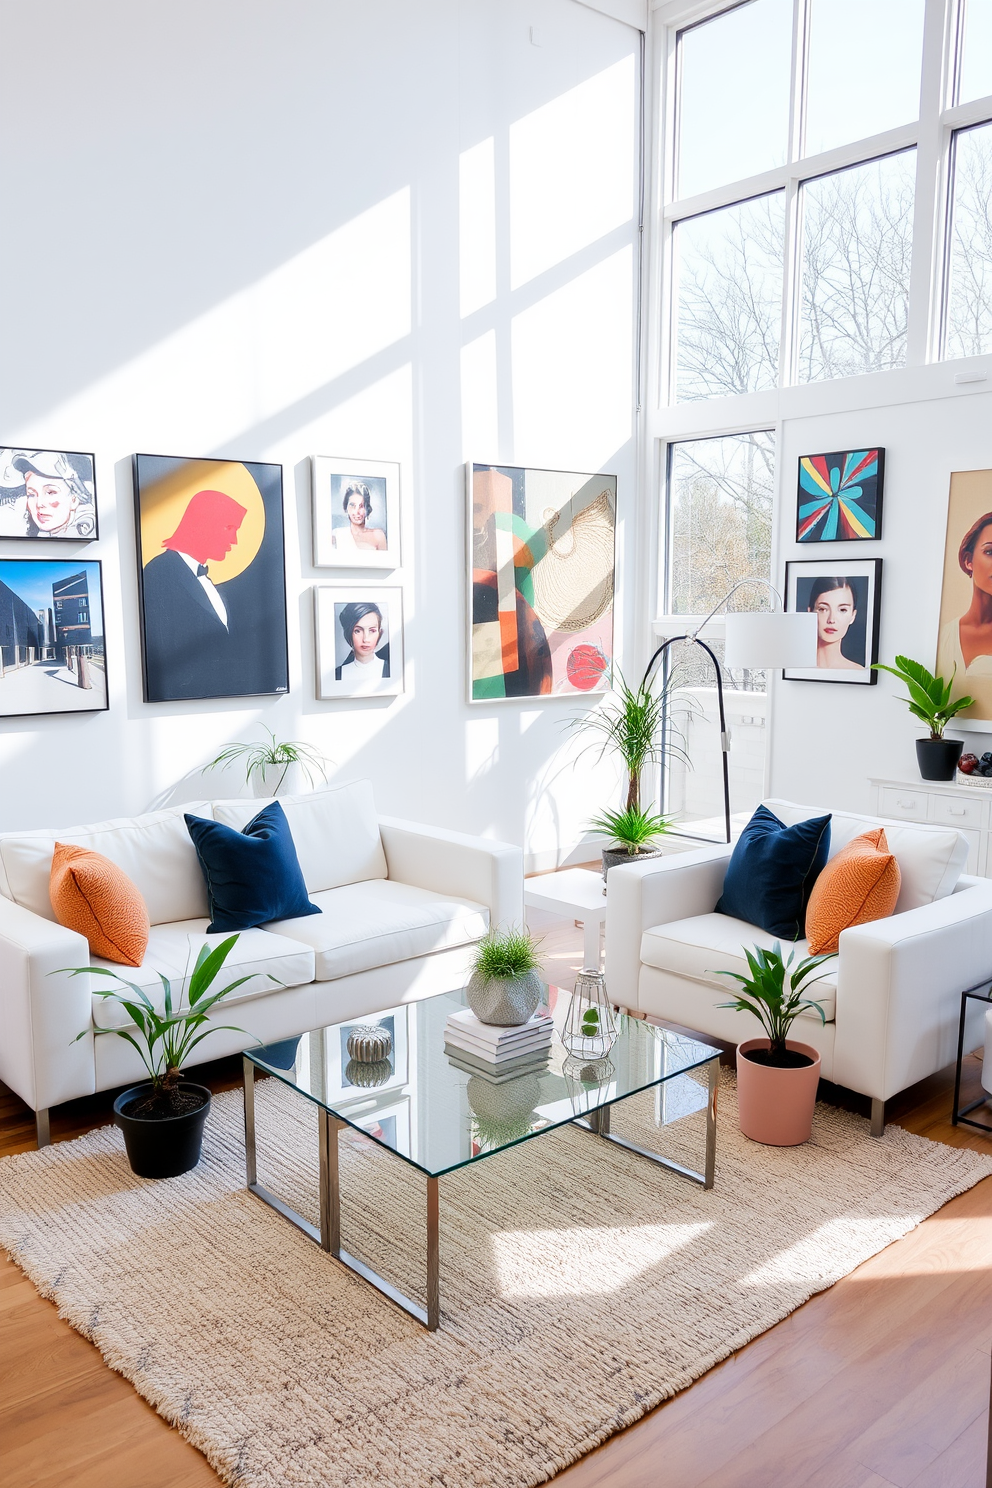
(892, 994)
(401, 908)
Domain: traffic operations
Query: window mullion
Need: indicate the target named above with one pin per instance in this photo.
(792, 285)
(925, 287)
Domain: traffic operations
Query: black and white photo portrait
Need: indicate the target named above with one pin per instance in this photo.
(355, 513)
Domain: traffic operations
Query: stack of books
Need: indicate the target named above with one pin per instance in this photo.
(495, 1052)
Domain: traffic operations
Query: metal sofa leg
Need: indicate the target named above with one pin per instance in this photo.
(42, 1128)
(877, 1117)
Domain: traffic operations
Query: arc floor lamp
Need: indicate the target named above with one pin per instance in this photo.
(758, 639)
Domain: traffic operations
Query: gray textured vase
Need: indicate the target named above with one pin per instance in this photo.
(506, 1002)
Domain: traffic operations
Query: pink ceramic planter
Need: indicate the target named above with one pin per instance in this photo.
(776, 1105)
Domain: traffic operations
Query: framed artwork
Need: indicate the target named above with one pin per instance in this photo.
(542, 563)
(845, 600)
(212, 581)
(964, 637)
(51, 637)
(356, 513)
(48, 494)
(339, 1085)
(840, 496)
(359, 633)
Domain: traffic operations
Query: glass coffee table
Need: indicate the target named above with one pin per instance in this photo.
(439, 1114)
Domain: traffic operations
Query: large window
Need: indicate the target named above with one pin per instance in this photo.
(829, 199)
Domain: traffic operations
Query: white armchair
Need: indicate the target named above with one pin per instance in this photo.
(891, 996)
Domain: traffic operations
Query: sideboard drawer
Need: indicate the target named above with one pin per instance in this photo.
(956, 813)
(908, 804)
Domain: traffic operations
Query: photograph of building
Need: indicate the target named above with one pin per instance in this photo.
(51, 638)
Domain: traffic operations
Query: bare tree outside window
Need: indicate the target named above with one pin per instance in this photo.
(857, 247)
(730, 267)
(720, 532)
(969, 297)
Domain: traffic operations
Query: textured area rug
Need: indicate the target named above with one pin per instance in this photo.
(580, 1285)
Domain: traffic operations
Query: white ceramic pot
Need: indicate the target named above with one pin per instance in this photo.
(506, 1002)
(280, 780)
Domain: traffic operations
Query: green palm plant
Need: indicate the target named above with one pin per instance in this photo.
(929, 696)
(634, 723)
(164, 1041)
(775, 993)
(270, 753)
(631, 828)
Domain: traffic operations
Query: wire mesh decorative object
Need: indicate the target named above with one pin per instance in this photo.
(590, 1026)
(585, 1080)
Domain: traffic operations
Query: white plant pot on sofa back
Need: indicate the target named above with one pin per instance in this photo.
(402, 906)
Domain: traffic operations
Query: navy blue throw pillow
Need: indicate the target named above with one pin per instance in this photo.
(252, 876)
(772, 872)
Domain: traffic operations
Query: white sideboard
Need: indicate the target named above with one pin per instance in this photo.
(967, 807)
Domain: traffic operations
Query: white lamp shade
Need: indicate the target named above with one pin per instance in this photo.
(767, 638)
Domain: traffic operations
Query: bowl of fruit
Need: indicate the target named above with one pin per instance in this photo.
(975, 769)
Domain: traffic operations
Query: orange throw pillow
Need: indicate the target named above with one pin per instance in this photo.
(859, 883)
(91, 895)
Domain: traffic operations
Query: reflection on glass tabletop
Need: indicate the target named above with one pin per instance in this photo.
(439, 1110)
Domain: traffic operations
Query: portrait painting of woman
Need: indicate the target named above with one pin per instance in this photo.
(359, 642)
(355, 513)
(846, 608)
(964, 643)
(47, 494)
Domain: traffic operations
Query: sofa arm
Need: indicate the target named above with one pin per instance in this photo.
(639, 895)
(491, 873)
(40, 1014)
(898, 990)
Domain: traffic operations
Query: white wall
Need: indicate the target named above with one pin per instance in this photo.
(232, 228)
(826, 740)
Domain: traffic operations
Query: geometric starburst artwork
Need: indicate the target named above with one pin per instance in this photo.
(840, 496)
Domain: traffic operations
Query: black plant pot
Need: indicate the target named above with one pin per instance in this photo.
(166, 1146)
(614, 856)
(938, 758)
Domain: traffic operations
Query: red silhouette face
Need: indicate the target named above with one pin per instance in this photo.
(208, 527)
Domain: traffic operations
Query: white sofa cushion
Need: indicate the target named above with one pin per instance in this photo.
(155, 851)
(698, 947)
(379, 922)
(336, 832)
(172, 950)
(931, 859)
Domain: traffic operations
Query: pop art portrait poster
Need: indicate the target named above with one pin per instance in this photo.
(964, 640)
(542, 557)
(47, 494)
(212, 578)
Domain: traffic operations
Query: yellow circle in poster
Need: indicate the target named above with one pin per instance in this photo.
(164, 501)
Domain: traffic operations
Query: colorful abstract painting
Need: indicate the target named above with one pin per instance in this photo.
(840, 496)
(542, 559)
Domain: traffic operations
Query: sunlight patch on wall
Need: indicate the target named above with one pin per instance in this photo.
(481, 746)
(480, 407)
(477, 226)
(573, 368)
(572, 170)
(584, 1262)
(317, 316)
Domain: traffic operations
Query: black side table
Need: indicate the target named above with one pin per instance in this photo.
(959, 1117)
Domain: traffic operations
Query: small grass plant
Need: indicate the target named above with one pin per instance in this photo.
(506, 954)
(632, 828)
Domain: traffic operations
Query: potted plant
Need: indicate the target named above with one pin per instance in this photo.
(271, 765)
(505, 988)
(633, 831)
(930, 701)
(162, 1119)
(633, 723)
(776, 1076)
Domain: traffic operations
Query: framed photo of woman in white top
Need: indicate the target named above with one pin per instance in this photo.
(359, 633)
(356, 513)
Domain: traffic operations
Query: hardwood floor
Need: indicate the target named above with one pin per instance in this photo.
(880, 1382)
